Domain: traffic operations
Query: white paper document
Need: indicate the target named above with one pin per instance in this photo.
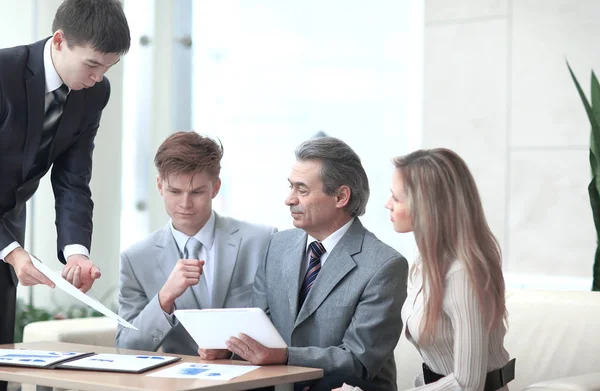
(210, 328)
(64, 285)
(205, 371)
(135, 363)
(35, 358)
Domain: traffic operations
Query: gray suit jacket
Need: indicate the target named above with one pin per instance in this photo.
(350, 322)
(145, 267)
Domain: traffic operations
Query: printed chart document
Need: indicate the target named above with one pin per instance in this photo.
(132, 363)
(76, 293)
(36, 358)
(210, 328)
(205, 371)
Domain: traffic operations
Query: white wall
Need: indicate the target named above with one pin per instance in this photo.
(21, 23)
(497, 90)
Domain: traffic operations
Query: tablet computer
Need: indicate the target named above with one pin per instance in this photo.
(210, 328)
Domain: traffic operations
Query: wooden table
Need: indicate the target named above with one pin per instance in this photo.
(272, 375)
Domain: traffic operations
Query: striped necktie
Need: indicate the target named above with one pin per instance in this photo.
(314, 267)
(53, 109)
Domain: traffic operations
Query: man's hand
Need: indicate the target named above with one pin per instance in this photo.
(214, 354)
(27, 274)
(80, 272)
(185, 273)
(255, 353)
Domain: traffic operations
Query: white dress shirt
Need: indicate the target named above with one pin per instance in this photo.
(206, 236)
(329, 243)
(53, 82)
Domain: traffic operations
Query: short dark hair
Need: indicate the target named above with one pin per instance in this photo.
(98, 23)
(188, 153)
(340, 166)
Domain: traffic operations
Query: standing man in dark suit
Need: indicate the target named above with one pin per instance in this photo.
(331, 288)
(52, 94)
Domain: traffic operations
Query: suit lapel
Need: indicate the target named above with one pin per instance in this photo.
(168, 255)
(226, 253)
(69, 121)
(338, 264)
(36, 89)
(292, 270)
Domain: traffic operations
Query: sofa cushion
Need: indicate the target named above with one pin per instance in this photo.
(552, 334)
(89, 331)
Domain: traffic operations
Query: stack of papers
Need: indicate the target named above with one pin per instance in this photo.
(131, 363)
(36, 358)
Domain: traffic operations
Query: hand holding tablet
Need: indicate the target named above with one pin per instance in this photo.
(210, 328)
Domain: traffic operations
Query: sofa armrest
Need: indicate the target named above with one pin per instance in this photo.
(98, 331)
(587, 382)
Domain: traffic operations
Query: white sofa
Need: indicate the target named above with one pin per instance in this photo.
(554, 335)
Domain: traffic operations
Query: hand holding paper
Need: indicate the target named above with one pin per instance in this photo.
(76, 293)
(26, 272)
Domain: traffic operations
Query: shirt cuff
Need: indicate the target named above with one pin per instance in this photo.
(75, 249)
(171, 318)
(7, 250)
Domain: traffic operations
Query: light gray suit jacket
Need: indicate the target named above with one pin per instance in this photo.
(145, 267)
(350, 322)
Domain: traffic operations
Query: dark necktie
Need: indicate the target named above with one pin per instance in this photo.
(53, 109)
(314, 267)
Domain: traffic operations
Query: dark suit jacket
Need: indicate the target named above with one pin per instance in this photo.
(22, 91)
(350, 322)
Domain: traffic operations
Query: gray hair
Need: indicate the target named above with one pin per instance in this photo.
(340, 166)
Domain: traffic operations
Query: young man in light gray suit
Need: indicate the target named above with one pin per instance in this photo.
(198, 260)
(331, 288)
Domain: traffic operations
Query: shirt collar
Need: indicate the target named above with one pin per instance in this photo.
(53, 80)
(206, 235)
(332, 240)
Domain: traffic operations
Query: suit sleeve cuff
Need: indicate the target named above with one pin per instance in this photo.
(75, 249)
(171, 318)
(8, 249)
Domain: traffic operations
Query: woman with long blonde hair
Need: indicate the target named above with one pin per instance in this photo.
(455, 309)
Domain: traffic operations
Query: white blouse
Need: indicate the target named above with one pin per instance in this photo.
(462, 349)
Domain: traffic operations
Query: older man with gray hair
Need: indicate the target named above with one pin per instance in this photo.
(331, 288)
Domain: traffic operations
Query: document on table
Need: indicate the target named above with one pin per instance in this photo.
(64, 285)
(210, 328)
(36, 358)
(205, 371)
(133, 363)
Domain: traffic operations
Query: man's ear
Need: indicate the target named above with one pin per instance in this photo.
(159, 184)
(216, 187)
(342, 198)
(58, 40)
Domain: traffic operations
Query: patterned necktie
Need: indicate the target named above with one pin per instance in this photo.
(192, 249)
(53, 109)
(314, 266)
